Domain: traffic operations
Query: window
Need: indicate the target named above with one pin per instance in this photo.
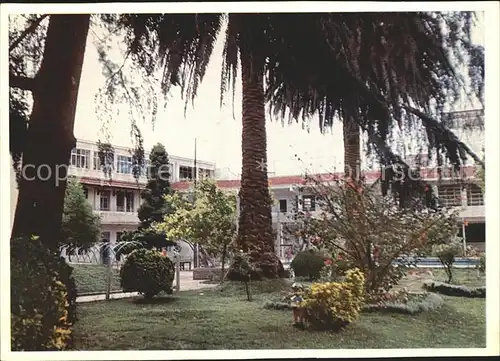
(185, 173)
(86, 192)
(283, 206)
(118, 236)
(120, 201)
(125, 201)
(124, 164)
(97, 161)
(80, 158)
(129, 198)
(104, 200)
(309, 203)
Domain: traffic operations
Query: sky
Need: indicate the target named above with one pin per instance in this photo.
(218, 134)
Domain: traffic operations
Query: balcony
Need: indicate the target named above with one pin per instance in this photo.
(121, 218)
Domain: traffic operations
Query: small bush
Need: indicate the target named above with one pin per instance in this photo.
(446, 254)
(334, 305)
(482, 264)
(454, 290)
(147, 272)
(430, 302)
(308, 264)
(43, 298)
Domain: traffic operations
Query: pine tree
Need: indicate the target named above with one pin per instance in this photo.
(153, 206)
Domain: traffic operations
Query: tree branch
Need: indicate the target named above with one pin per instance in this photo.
(26, 32)
(431, 122)
(22, 82)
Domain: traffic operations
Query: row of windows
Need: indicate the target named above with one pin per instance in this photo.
(124, 200)
(187, 172)
(81, 158)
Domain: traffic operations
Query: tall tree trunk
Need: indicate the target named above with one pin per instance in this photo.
(352, 162)
(352, 149)
(255, 222)
(50, 135)
(255, 231)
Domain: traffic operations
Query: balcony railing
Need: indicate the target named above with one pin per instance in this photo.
(117, 217)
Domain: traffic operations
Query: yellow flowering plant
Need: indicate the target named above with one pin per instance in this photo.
(334, 305)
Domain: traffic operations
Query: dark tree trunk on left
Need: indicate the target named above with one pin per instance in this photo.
(50, 135)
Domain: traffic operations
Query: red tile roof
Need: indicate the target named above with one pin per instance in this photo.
(426, 173)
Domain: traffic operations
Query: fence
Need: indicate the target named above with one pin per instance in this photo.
(97, 270)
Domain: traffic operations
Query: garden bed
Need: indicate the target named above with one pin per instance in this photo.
(212, 319)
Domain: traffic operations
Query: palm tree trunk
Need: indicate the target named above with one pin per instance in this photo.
(352, 149)
(255, 222)
(50, 135)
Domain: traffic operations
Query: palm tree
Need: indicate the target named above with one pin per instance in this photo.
(383, 69)
(373, 69)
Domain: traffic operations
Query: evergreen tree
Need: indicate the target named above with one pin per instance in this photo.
(80, 227)
(153, 206)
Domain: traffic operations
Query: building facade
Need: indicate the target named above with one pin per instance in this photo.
(116, 198)
(455, 191)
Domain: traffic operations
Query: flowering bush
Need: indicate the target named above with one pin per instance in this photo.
(334, 269)
(334, 305)
(373, 233)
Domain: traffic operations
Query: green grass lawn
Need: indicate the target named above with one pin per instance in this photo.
(215, 319)
(91, 278)
(465, 277)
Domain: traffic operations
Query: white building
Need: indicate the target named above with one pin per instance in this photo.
(117, 198)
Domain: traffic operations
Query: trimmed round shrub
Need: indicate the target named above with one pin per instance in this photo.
(308, 264)
(43, 298)
(147, 272)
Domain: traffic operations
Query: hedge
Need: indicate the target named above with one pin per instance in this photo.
(454, 290)
(430, 302)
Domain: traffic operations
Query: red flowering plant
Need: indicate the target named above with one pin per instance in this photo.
(360, 228)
